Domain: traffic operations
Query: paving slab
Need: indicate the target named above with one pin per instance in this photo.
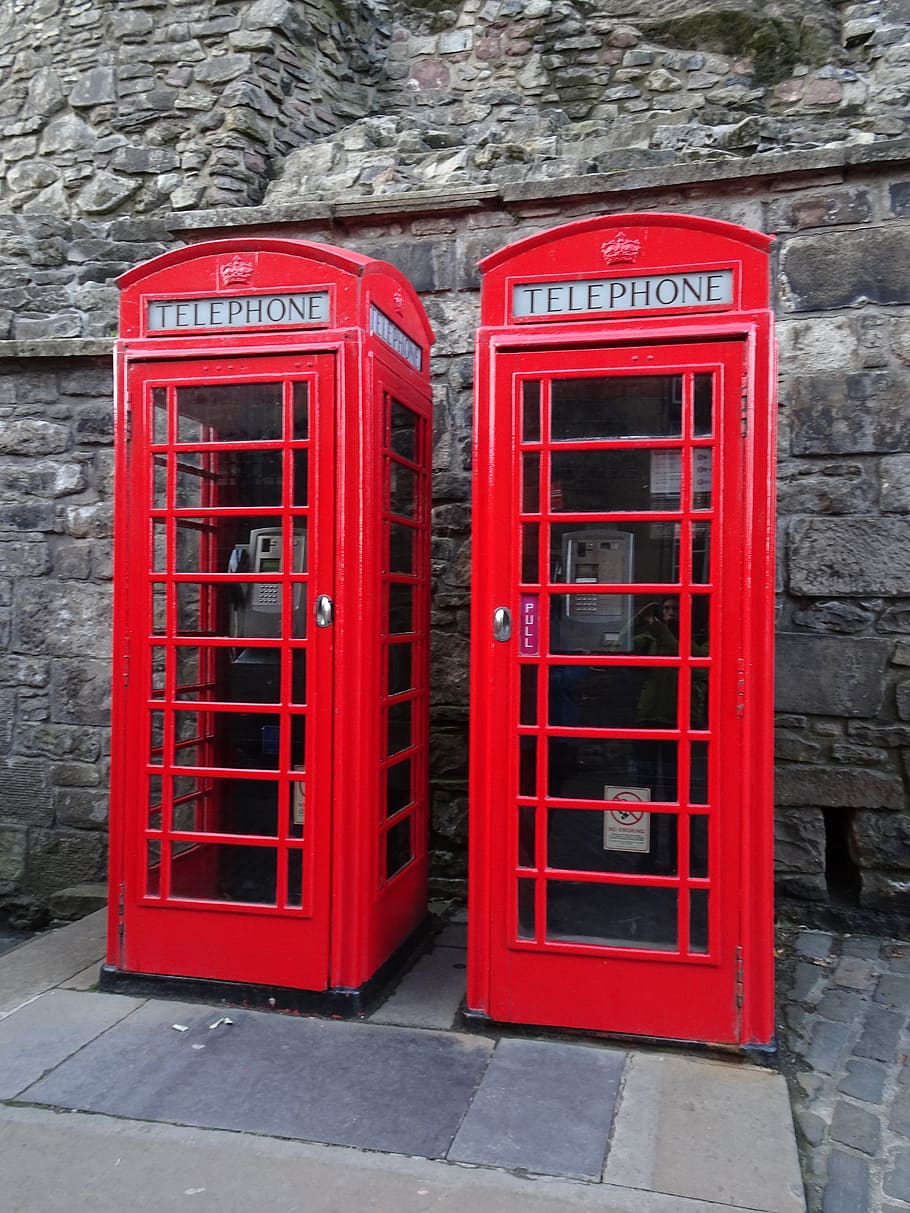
(45, 1031)
(48, 960)
(430, 994)
(543, 1107)
(105, 1165)
(712, 1131)
(355, 1084)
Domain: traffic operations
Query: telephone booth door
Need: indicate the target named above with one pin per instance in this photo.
(268, 791)
(621, 861)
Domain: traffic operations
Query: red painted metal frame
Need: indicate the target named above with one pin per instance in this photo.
(612, 989)
(350, 921)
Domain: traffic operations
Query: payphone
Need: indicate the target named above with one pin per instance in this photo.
(620, 872)
(270, 727)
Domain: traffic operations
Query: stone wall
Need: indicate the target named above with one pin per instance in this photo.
(431, 136)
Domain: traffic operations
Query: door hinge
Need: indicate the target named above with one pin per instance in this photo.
(744, 408)
(740, 688)
(740, 978)
(125, 669)
(121, 931)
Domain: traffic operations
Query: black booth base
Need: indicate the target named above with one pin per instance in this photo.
(339, 1002)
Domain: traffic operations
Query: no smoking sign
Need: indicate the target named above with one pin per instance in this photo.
(627, 828)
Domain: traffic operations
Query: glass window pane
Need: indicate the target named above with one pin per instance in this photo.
(231, 739)
(159, 546)
(590, 621)
(224, 872)
(159, 482)
(604, 482)
(399, 727)
(404, 431)
(400, 669)
(401, 609)
(703, 404)
(698, 846)
(530, 553)
(153, 869)
(530, 411)
(611, 915)
(630, 406)
(528, 713)
(401, 548)
(295, 878)
(301, 408)
(615, 555)
(402, 489)
(624, 838)
(701, 553)
(301, 492)
(530, 491)
(398, 787)
(583, 768)
(159, 610)
(698, 772)
(526, 909)
(527, 830)
(613, 697)
(698, 920)
(698, 695)
(229, 412)
(399, 848)
(298, 676)
(159, 415)
(156, 737)
(527, 766)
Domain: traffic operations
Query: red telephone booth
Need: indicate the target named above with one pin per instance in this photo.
(268, 800)
(621, 825)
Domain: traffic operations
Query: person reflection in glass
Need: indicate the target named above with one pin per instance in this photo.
(657, 635)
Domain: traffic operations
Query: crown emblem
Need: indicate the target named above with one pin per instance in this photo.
(621, 248)
(236, 270)
(398, 299)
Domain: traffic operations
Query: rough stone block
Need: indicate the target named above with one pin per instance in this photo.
(880, 840)
(81, 809)
(839, 488)
(849, 556)
(837, 787)
(830, 676)
(58, 858)
(25, 792)
(63, 618)
(13, 850)
(838, 414)
(895, 484)
(846, 269)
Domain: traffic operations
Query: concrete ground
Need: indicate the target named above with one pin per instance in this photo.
(113, 1102)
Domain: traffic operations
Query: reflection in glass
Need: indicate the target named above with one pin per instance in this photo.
(159, 610)
(530, 489)
(159, 482)
(698, 920)
(527, 833)
(233, 739)
(156, 737)
(298, 676)
(604, 482)
(616, 406)
(611, 915)
(153, 869)
(301, 493)
(218, 871)
(398, 787)
(399, 851)
(295, 879)
(159, 658)
(701, 553)
(229, 412)
(159, 415)
(526, 909)
(698, 695)
(230, 675)
(530, 411)
(702, 463)
(612, 697)
(620, 839)
(404, 431)
(159, 546)
(402, 489)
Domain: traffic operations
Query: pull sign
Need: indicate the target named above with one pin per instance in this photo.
(529, 645)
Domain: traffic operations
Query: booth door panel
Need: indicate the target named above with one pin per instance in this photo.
(613, 798)
(230, 694)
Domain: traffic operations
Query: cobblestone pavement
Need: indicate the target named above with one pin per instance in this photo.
(844, 1032)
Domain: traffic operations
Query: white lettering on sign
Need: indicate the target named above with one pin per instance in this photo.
(701, 288)
(396, 337)
(238, 312)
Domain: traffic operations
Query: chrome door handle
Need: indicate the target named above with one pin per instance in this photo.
(325, 611)
(502, 624)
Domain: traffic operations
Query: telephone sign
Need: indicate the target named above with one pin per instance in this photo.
(269, 787)
(620, 832)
